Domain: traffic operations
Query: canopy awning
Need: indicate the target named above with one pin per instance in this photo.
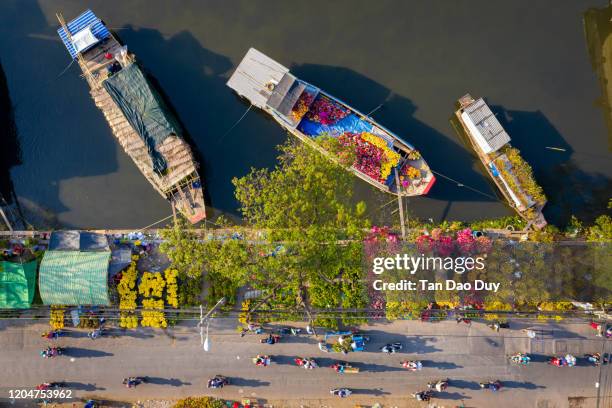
(86, 30)
(17, 284)
(74, 278)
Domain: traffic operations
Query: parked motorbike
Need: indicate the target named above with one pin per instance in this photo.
(51, 352)
(52, 335)
(520, 358)
(391, 348)
(412, 365)
(491, 385)
(568, 361)
(50, 386)
(439, 385)
(218, 381)
(596, 358)
(262, 361)
(423, 395)
(132, 382)
(342, 367)
(307, 363)
(271, 339)
(341, 392)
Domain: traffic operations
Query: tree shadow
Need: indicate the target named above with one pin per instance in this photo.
(194, 80)
(173, 382)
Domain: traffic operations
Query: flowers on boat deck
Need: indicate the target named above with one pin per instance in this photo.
(326, 111)
(373, 157)
(301, 106)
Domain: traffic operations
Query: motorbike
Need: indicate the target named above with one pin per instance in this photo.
(262, 361)
(520, 358)
(342, 367)
(391, 348)
(439, 385)
(290, 330)
(52, 335)
(596, 359)
(307, 363)
(218, 381)
(50, 386)
(568, 361)
(323, 346)
(341, 392)
(491, 385)
(423, 395)
(51, 352)
(271, 339)
(132, 382)
(96, 333)
(412, 365)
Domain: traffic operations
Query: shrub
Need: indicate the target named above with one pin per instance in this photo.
(57, 317)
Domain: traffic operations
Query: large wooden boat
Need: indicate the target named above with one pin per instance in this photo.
(140, 120)
(331, 126)
(511, 174)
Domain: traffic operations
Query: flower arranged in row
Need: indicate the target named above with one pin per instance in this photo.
(326, 111)
(151, 284)
(57, 317)
(443, 245)
(152, 313)
(126, 288)
(373, 157)
(171, 287)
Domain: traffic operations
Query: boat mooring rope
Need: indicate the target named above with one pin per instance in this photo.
(459, 184)
(235, 124)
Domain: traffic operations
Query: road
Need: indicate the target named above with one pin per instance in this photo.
(178, 367)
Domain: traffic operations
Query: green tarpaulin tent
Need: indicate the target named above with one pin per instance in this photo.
(17, 282)
(74, 278)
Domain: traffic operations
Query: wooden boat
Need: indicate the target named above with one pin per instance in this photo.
(140, 120)
(512, 175)
(331, 126)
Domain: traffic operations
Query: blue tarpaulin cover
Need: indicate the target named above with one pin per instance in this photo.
(144, 109)
(352, 123)
(88, 18)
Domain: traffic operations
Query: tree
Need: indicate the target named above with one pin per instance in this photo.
(601, 231)
(305, 203)
(182, 246)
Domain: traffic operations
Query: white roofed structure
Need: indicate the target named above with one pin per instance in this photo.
(484, 126)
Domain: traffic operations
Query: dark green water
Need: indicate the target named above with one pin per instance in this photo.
(528, 58)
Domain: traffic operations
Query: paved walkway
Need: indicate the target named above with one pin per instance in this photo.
(178, 367)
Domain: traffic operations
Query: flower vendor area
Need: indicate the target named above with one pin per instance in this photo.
(359, 143)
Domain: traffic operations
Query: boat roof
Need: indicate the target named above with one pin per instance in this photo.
(487, 126)
(87, 20)
(257, 77)
(286, 94)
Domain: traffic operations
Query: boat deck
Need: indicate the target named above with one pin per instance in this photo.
(180, 184)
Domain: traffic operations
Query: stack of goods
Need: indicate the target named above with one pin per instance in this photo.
(326, 111)
(374, 158)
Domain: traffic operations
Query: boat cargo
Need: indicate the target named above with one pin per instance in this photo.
(139, 118)
(331, 126)
(504, 164)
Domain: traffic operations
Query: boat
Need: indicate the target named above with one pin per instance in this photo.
(139, 118)
(504, 164)
(331, 126)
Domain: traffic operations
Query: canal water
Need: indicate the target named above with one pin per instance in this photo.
(529, 59)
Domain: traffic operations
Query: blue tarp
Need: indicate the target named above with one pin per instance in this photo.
(144, 109)
(351, 123)
(88, 18)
